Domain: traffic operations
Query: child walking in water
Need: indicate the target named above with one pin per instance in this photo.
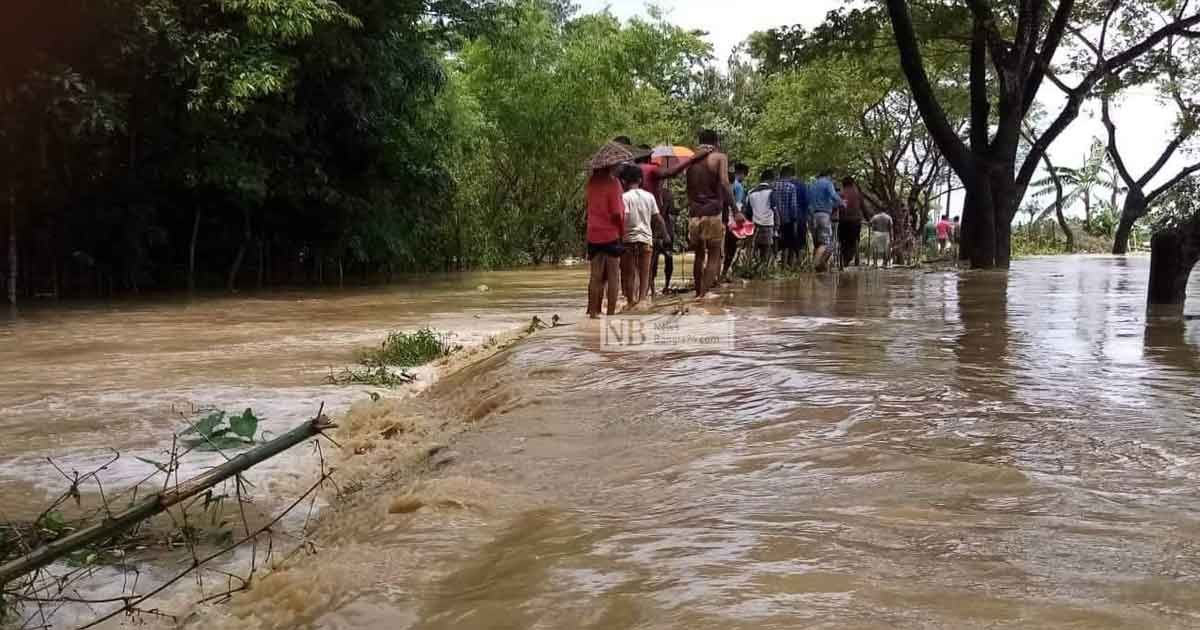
(641, 216)
(605, 227)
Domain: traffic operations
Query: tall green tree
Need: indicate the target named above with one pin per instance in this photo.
(1011, 50)
(550, 88)
(166, 143)
(835, 98)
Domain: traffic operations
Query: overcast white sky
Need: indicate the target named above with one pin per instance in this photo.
(1143, 124)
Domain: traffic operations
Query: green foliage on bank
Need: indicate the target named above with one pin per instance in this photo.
(383, 366)
(233, 144)
(402, 349)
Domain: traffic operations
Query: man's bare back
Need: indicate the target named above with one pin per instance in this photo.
(708, 189)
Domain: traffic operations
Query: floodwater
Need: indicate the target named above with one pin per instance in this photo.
(80, 380)
(876, 450)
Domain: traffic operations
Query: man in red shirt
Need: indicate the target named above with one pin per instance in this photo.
(605, 226)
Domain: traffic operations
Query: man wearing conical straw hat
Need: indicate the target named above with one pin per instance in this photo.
(605, 226)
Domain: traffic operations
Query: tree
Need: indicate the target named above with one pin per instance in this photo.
(550, 88)
(1175, 250)
(1020, 40)
(1173, 74)
(162, 143)
(1053, 184)
(833, 100)
(1083, 183)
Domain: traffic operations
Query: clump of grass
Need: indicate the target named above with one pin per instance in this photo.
(402, 349)
(758, 270)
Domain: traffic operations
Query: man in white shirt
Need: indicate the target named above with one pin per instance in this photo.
(641, 214)
(762, 211)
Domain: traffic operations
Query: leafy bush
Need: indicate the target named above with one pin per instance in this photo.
(402, 349)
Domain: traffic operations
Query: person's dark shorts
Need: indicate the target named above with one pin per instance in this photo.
(764, 235)
(790, 236)
(614, 248)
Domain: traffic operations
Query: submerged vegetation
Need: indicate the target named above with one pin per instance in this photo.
(382, 366)
(378, 376)
(402, 349)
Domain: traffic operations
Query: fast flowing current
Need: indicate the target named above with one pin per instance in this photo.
(876, 449)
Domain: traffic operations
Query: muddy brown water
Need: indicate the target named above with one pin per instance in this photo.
(78, 380)
(878, 450)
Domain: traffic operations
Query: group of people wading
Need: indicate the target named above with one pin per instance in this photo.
(630, 220)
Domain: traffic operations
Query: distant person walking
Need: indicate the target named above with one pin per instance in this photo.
(881, 239)
(709, 195)
(850, 225)
(944, 230)
(822, 199)
(791, 202)
(641, 211)
(605, 227)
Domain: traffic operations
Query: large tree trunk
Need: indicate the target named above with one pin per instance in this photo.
(1134, 208)
(192, 251)
(1173, 254)
(979, 226)
(987, 222)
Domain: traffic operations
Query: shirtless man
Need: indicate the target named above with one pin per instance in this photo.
(653, 181)
(709, 194)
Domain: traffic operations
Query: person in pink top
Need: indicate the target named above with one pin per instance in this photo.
(605, 227)
(944, 228)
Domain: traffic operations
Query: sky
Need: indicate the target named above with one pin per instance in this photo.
(1143, 125)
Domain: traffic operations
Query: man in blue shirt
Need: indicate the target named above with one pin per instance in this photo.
(740, 173)
(822, 199)
(791, 202)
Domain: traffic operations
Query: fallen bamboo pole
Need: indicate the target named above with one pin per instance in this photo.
(160, 501)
